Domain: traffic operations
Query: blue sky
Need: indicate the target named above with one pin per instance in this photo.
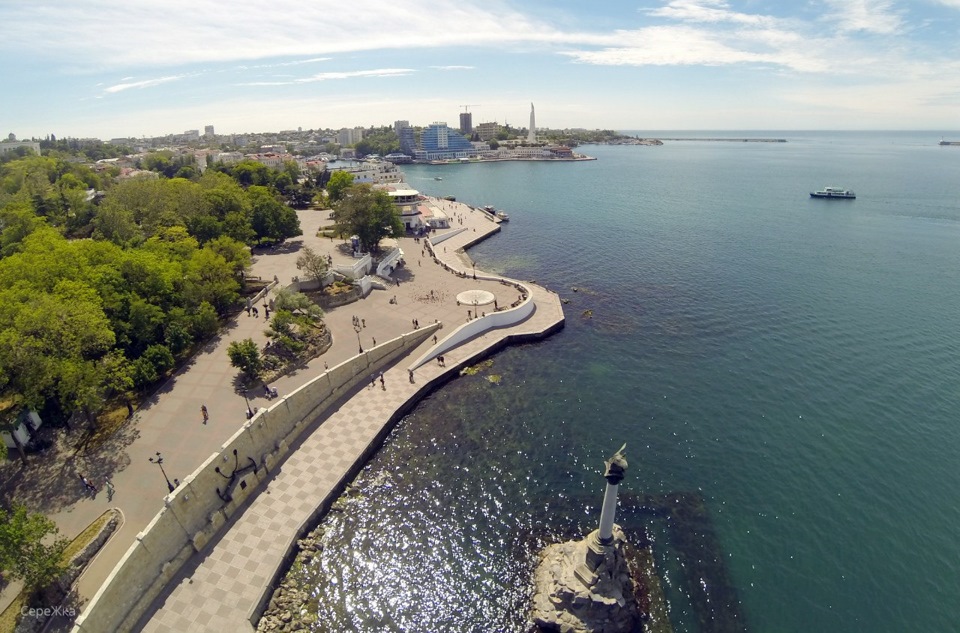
(111, 68)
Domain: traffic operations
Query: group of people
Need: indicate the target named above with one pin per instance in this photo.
(358, 322)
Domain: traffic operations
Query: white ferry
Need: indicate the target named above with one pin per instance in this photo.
(501, 215)
(833, 192)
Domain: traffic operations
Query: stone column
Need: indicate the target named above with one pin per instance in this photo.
(586, 585)
(616, 466)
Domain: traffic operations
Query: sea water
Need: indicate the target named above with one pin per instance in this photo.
(792, 362)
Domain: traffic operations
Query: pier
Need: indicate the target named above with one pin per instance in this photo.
(731, 140)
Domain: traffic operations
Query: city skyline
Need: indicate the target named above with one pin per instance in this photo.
(110, 69)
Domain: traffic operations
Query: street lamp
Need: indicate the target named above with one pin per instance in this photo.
(159, 462)
(249, 410)
(357, 328)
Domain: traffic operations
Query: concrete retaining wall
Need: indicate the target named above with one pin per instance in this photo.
(197, 510)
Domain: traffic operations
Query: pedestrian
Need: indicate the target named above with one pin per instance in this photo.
(373, 381)
(398, 282)
(363, 322)
(325, 366)
(256, 312)
(88, 485)
(203, 411)
(410, 371)
(110, 489)
(374, 342)
(495, 307)
(419, 263)
(434, 339)
(383, 383)
(266, 310)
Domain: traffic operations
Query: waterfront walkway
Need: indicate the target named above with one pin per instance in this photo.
(170, 421)
(222, 586)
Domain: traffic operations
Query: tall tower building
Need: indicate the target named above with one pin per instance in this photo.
(466, 123)
(532, 132)
(208, 132)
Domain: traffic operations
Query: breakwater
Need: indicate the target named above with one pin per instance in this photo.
(731, 140)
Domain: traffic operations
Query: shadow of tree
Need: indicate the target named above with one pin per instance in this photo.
(51, 481)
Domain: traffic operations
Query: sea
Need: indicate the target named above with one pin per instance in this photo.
(784, 372)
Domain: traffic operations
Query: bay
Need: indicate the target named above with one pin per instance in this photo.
(793, 361)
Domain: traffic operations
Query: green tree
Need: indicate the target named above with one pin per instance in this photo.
(210, 278)
(245, 356)
(338, 184)
(369, 214)
(271, 219)
(31, 549)
(313, 264)
(204, 322)
(297, 303)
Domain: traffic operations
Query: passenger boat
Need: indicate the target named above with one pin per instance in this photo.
(833, 192)
(501, 215)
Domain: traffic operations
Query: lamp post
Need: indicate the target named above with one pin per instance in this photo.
(357, 328)
(159, 462)
(249, 410)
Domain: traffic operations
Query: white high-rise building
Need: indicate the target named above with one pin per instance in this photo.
(532, 132)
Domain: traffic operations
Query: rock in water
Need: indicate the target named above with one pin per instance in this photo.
(585, 587)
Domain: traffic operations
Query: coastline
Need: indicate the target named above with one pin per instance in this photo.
(318, 467)
(455, 161)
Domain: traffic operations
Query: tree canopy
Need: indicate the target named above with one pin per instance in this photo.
(369, 214)
(337, 184)
(31, 548)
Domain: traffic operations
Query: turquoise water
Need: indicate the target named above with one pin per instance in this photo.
(794, 361)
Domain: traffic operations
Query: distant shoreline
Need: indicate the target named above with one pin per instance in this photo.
(503, 160)
(733, 140)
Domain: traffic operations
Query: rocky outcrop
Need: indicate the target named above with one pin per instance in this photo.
(586, 587)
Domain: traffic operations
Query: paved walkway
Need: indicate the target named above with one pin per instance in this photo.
(171, 422)
(219, 588)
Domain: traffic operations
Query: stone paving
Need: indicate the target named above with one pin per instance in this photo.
(171, 422)
(226, 580)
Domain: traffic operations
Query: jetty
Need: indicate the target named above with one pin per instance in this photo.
(724, 139)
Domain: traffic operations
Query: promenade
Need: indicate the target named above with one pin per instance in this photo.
(171, 423)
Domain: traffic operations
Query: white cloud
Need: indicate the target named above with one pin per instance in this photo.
(146, 83)
(297, 62)
(96, 34)
(452, 67)
(870, 16)
(707, 11)
(379, 72)
(327, 76)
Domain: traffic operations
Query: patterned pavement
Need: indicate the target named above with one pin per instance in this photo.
(219, 586)
(222, 586)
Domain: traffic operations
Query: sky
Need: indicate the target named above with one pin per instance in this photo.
(132, 68)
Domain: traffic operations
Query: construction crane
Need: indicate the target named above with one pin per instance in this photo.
(469, 105)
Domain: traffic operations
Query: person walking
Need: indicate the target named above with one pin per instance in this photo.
(383, 383)
(204, 413)
(88, 485)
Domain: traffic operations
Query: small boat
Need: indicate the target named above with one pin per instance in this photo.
(833, 192)
(501, 215)
(437, 178)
